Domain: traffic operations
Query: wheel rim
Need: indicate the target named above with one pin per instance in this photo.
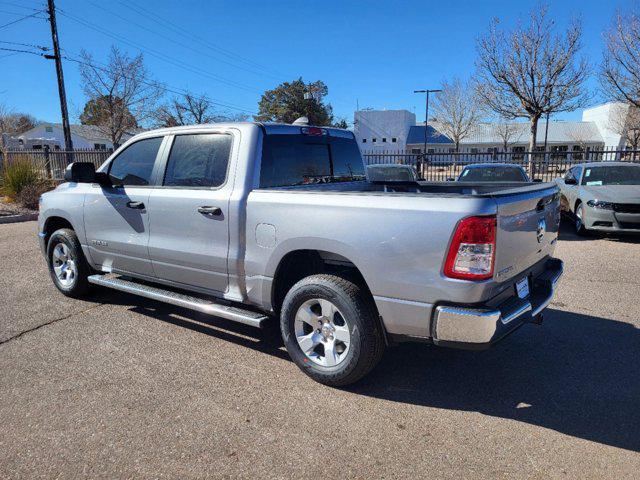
(579, 215)
(64, 265)
(322, 332)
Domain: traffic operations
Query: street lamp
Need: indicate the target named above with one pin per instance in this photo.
(426, 118)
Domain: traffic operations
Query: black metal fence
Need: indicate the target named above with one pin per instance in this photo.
(51, 164)
(442, 164)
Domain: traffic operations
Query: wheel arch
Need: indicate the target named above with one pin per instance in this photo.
(53, 223)
(301, 263)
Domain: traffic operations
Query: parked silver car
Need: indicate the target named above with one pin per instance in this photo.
(602, 196)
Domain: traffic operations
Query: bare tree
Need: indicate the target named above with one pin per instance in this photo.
(620, 73)
(625, 121)
(192, 109)
(121, 91)
(507, 132)
(188, 110)
(457, 110)
(15, 123)
(530, 71)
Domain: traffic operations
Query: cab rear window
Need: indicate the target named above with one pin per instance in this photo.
(289, 160)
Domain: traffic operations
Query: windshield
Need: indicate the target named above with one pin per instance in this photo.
(493, 174)
(612, 175)
(303, 159)
(390, 174)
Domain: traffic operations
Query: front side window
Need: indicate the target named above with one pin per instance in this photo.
(134, 165)
(198, 160)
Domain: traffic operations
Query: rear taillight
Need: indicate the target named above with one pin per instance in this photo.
(473, 248)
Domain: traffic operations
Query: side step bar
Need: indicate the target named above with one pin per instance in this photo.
(208, 307)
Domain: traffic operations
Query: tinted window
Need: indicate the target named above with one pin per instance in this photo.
(198, 160)
(134, 165)
(397, 174)
(612, 175)
(300, 159)
(492, 174)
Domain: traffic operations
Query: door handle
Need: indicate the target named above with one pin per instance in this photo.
(213, 211)
(136, 205)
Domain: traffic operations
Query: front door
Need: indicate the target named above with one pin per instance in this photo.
(116, 219)
(189, 224)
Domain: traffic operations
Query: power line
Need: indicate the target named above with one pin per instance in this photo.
(21, 51)
(170, 89)
(20, 19)
(39, 47)
(17, 5)
(184, 45)
(159, 55)
(181, 30)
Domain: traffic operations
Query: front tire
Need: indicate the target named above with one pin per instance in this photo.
(67, 265)
(580, 220)
(331, 330)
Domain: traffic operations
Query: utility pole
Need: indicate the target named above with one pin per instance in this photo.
(426, 122)
(56, 56)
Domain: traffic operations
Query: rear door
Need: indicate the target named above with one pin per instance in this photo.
(189, 212)
(528, 224)
(116, 219)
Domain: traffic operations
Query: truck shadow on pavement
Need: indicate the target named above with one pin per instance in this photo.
(576, 374)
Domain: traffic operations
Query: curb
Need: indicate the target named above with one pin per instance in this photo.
(25, 217)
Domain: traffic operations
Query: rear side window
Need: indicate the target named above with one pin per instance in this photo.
(135, 164)
(301, 160)
(198, 160)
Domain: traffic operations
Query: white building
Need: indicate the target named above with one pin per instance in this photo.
(397, 129)
(382, 129)
(51, 135)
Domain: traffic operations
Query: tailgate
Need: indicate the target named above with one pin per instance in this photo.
(527, 229)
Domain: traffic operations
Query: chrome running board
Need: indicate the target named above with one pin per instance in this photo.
(207, 307)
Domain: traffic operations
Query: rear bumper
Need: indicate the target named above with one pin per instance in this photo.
(479, 328)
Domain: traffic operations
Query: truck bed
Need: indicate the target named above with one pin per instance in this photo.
(479, 189)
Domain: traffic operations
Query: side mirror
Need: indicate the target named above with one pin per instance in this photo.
(570, 181)
(80, 172)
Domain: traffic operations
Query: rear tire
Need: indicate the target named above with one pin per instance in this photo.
(331, 330)
(68, 266)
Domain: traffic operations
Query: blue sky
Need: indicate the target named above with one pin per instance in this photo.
(373, 53)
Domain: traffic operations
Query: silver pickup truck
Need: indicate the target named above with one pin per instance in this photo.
(249, 222)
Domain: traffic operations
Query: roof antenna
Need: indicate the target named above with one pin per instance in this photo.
(301, 121)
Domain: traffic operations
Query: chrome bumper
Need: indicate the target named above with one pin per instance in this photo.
(480, 327)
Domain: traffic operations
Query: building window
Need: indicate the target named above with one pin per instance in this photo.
(474, 150)
(364, 140)
(577, 152)
(384, 140)
(431, 150)
(394, 139)
(374, 139)
(99, 146)
(415, 151)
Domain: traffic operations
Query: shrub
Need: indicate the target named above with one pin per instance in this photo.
(30, 194)
(16, 175)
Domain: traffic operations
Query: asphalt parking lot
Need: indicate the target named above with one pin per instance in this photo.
(121, 387)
